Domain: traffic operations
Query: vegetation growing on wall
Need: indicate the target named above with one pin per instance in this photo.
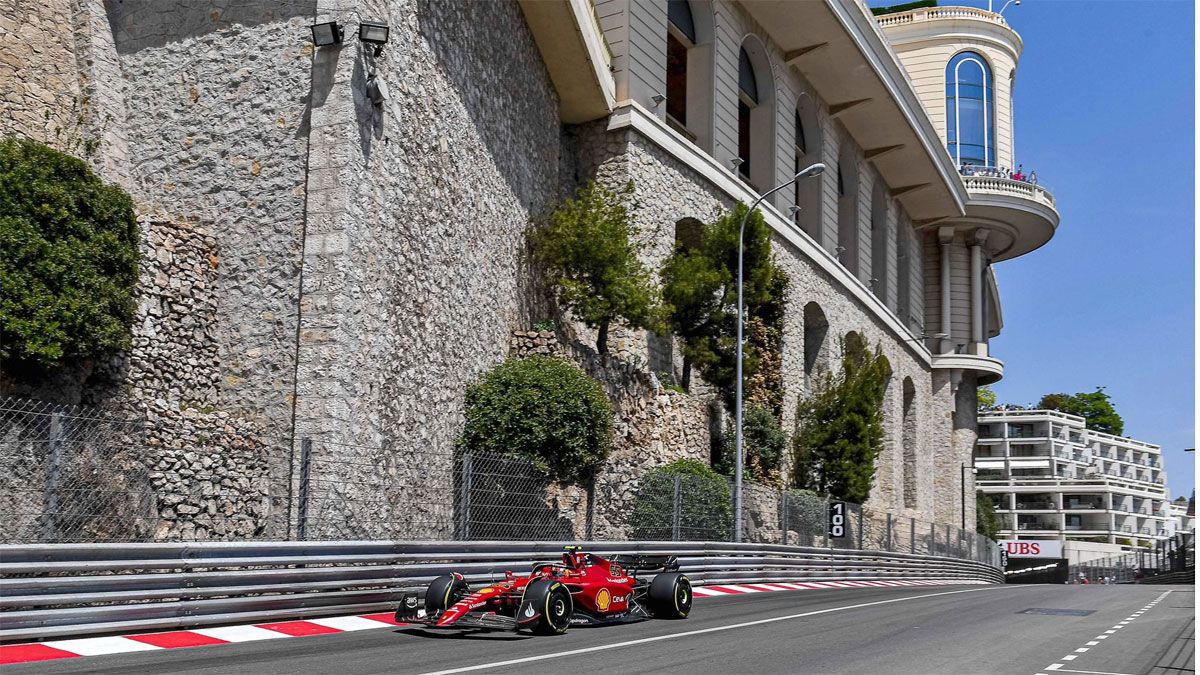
(763, 442)
(1094, 407)
(704, 503)
(543, 409)
(840, 426)
(68, 260)
(588, 251)
(700, 294)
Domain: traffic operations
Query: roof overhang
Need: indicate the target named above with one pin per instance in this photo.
(840, 50)
(578, 60)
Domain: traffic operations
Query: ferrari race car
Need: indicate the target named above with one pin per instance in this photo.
(583, 589)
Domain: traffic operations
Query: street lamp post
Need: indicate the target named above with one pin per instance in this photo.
(813, 170)
(963, 475)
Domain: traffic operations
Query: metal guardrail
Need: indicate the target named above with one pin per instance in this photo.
(83, 589)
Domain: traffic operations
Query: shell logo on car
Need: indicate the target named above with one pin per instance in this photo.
(603, 599)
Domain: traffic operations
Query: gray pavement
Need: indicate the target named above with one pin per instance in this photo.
(958, 630)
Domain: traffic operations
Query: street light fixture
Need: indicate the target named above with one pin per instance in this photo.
(375, 33)
(325, 34)
(813, 170)
(1010, 2)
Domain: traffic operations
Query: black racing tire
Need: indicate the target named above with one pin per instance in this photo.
(670, 596)
(444, 592)
(552, 599)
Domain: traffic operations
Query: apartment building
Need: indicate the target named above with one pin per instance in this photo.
(1051, 477)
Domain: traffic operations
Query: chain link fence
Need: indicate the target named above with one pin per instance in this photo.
(1165, 557)
(75, 476)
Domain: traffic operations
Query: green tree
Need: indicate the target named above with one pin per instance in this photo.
(987, 522)
(840, 426)
(705, 511)
(587, 249)
(986, 397)
(700, 297)
(543, 409)
(1094, 407)
(68, 260)
(763, 442)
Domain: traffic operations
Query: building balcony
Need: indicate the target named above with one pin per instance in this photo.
(1021, 215)
(986, 369)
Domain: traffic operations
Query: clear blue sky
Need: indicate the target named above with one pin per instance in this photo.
(1105, 114)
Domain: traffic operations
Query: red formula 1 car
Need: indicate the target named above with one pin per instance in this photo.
(582, 589)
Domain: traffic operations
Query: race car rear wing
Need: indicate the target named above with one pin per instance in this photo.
(638, 562)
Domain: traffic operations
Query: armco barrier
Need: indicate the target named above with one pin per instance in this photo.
(56, 590)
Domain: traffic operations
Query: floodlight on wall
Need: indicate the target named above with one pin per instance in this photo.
(375, 33)
(328, 33)
(658, 99)
(793, 210)
(736, 162)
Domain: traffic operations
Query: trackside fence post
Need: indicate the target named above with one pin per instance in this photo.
(932, 539)
(783, 516)
(53, 464)
(860, 528)
(305, 464)
(464, 499)
(888, 546)
(676, 509)
(912, 535)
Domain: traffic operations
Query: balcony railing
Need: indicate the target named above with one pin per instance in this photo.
(939, 13)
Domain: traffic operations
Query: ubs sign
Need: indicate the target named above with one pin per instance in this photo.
(1033, 548)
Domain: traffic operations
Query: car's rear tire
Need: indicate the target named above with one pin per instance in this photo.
(553, 601)
(670, 596)
(444, 592)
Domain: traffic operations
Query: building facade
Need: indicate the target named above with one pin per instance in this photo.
(365, 255)
(1051, 477)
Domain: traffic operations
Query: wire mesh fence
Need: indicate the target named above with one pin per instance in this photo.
(69, 475)
(1177, 554)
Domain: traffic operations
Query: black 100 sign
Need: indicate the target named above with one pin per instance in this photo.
(837, 519)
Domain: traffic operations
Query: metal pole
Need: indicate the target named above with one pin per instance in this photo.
(675, 510)
(53, 464)
(464, 500)
(912, 532)
(738, 461)
(783, 517)
(888, 546)
(305, 458)
(962, 476)
(860, 527)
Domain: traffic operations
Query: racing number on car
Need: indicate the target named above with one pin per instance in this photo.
(837, 519)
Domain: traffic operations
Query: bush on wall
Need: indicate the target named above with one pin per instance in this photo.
(705, 510)
(543, 409)
(763, 442)
(68, 260)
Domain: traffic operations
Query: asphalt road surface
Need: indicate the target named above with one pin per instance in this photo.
(948, 629)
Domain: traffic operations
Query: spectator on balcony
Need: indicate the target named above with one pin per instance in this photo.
(1017, 175)
(968, 169)
(1033, 177)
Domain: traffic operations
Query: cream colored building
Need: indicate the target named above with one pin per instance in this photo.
(1051, 477)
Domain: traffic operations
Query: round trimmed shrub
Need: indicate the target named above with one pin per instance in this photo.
(542, 409)
(705, 505)
(68, 260)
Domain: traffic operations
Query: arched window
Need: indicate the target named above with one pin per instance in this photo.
(908, 442)
(756, 115)
(970, 110)
(847, 250)
(816, 327)
(879, 257)
(689, 70)
(808, 151)
(681, 36)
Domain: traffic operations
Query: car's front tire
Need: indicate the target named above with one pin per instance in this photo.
(444, 592)
(552, 601)
(670, 596)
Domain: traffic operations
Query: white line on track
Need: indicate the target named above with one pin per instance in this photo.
(1122, 624)
(716, 629)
